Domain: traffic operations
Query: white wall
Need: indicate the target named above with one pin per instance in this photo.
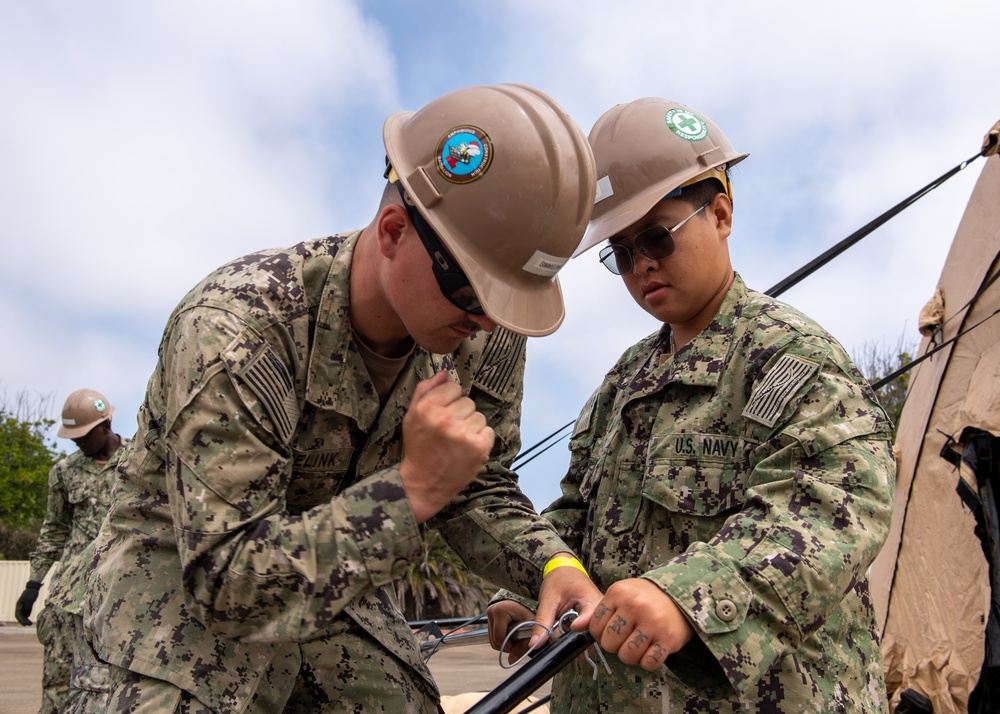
(13, 577)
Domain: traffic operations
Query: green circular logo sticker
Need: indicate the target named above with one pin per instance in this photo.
(687, 125)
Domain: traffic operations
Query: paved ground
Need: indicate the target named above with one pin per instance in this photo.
(457, 670)
(21, 665)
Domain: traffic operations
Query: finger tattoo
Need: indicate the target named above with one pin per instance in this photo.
(656, 653)
(617, 624)
(600, 612)
(637, 640)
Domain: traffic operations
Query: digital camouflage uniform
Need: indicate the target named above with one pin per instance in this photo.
(751, 478)
(263, 515)
(78, 499)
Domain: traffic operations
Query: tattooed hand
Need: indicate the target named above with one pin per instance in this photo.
(639, 622)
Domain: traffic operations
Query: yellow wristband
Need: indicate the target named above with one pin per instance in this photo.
(561, 561)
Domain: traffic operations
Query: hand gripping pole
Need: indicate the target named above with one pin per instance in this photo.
(546, 664)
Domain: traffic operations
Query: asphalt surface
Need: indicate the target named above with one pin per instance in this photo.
(21, 664)
(457, 670)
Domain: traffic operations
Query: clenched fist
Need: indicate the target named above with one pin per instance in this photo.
(446, 441)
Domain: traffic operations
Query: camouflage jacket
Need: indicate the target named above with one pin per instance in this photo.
(262, 502)
(79, 495)
(750, 477)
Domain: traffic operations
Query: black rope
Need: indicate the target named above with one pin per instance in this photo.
(807, 270)
(519, 461)
(818, 262)
(907, 367)
(982, 289)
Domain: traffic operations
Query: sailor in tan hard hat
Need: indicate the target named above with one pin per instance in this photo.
(731, 480)
(314, 407)
(79, 494)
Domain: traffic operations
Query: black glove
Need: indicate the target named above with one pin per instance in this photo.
(22, 611)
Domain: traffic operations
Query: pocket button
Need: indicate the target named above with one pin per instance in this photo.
(726, 610)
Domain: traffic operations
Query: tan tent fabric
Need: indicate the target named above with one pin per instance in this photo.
(982, 404)
(930, 582)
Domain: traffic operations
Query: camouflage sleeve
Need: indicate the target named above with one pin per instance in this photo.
(56, 526)
(816, 511)
(249, 568)
(492, 525)
(568, 513)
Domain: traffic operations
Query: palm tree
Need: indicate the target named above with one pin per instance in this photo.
(440, 585)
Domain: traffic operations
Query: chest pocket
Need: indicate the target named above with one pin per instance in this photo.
(613, 483)
(699, 479)
(317, 476)
(696, 489)
(83, 491)
(624, 500)
(691, 501)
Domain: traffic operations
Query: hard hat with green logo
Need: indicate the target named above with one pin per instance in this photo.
(84, 409)
(506, 180)
(645, 150)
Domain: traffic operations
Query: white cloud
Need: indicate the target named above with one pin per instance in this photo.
(145, 144)
(846, 109)
(161, 140)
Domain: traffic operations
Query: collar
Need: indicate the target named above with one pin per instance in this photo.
(335, 363)
(331, 360)
(651, 367)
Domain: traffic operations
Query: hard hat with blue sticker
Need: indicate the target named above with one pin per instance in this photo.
(464, 154)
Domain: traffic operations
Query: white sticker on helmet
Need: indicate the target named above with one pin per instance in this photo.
(604, 189)
(544, 264)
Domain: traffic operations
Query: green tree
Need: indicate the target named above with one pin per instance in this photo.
(439, 584)
(25, 460)
(877, 361)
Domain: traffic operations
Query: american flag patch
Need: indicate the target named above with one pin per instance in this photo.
(779, 386)
(501, 358)
(270, 381)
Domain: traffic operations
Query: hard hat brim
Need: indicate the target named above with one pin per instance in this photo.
(75, 432)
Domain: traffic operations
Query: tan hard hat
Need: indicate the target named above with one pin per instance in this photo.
(84, 409)
(645, 150)
(506, 179)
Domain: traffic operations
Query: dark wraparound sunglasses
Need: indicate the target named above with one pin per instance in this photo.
(655, 242)
(453, 282)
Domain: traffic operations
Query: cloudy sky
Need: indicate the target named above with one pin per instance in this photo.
(142, 144)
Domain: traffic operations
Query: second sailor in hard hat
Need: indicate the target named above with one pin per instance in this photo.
(731, 479)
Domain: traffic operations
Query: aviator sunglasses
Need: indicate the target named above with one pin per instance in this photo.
(655, 242)
(454, 284)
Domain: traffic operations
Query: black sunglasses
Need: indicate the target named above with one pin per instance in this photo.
(453, 282)
(655, 242)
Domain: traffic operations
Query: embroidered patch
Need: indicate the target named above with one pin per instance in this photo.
(582, 424)
(500, 361)
(269, 380)
(779, 386)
